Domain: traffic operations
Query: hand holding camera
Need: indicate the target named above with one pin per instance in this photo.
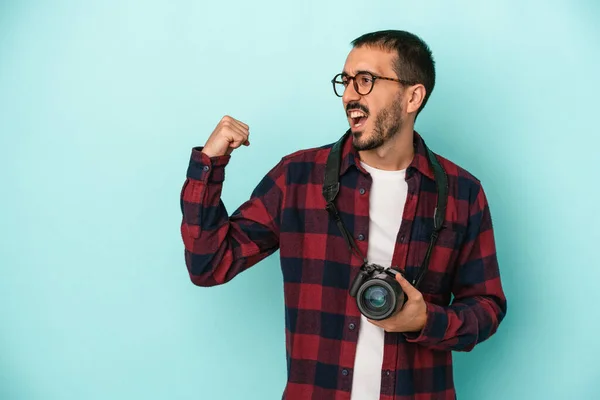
(388, 300)
(413, 315)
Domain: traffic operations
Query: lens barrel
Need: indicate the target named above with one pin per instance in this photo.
(379, 297)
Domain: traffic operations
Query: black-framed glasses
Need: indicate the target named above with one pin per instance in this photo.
(363, 82)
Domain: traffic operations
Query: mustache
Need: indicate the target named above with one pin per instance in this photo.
(357, 106)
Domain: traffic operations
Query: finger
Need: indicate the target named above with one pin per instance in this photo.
(246, 135)
(241, 124)
(230, 122)
(236, 135)
(238, 140)
(241, 131)
(242, 140)
(228, 118)
(409, 289)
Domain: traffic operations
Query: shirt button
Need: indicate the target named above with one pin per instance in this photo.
(402, 238)
(361, 237)
(206, 168)
(345, 372)
(351, 326)
(362, 191)
(387, 373)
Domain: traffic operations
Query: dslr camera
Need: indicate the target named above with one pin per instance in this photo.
(378, 294)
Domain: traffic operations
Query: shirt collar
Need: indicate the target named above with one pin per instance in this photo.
(419, 162)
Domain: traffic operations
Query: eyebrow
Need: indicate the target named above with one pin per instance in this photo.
(361, 71)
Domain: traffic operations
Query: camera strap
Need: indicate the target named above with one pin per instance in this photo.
(331, 188)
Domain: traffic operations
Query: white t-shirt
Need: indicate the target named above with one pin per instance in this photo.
(386, 206)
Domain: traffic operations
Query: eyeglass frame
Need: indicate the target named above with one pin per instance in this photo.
(375, 77)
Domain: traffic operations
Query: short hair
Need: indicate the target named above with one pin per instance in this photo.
(414, 62)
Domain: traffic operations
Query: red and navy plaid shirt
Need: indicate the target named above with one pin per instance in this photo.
(286, 212)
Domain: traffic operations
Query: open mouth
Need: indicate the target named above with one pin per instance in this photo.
(357, 118)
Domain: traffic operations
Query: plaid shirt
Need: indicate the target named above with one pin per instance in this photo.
(286, 212)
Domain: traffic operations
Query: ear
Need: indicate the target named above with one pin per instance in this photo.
(416, 95)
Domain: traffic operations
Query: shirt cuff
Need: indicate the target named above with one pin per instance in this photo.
(204, 168)
(435, 326)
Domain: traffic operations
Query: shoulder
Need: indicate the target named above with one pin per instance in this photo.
(301, 166)
(463, 184)
(315, 155)
(306, 161)
(452, 168)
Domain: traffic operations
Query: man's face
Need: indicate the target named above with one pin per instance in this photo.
(376, 117)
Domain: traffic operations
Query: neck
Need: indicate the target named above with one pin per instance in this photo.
(395, 154)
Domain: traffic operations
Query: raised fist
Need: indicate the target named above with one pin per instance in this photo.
(227, 136)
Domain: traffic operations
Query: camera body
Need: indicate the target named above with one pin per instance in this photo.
(378, 294)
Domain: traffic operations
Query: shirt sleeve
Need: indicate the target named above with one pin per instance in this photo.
(479, 303)
(219, 246)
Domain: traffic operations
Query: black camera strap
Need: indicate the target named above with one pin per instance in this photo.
(331, 188)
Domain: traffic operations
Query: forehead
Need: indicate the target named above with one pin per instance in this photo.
(370, 59)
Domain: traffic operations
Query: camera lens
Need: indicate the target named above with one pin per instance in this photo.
(376, 297)
(379, 297)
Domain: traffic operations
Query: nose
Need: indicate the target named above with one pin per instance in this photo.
(350, 94)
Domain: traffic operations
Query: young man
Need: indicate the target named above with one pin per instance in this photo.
(387, 200)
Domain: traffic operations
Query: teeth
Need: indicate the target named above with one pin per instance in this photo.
(357, 114)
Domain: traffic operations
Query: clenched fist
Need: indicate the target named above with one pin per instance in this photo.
(227, 136)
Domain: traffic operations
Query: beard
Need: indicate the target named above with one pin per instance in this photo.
(388, 123)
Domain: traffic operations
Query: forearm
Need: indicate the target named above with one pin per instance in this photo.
(218, 246)
(212, 248)
(462, 325)
(479, 304)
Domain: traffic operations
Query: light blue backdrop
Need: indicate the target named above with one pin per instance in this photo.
(101, 103)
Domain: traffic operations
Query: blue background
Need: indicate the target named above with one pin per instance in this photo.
(100, 104)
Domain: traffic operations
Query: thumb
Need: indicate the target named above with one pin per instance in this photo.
(409, 289)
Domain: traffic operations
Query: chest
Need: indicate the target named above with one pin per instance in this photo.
(398, 214)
